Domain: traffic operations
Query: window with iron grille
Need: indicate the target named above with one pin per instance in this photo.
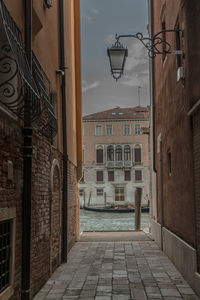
(138, 175)
(99, 156)
(119, 194)
(99, 192)
(5, 245)
(110, 175)
(127, 175)
(99, 176)
(109, 130)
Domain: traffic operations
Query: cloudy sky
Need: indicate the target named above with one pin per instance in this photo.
(100, 21)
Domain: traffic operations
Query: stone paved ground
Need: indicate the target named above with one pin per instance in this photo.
(116, 270)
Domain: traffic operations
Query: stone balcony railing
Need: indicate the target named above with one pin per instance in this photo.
(119, 164)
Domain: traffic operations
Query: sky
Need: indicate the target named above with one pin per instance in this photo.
(100, 21)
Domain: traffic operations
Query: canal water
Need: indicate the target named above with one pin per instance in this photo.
(100, 221)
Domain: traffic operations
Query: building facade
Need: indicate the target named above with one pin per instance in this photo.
(40, 141)
(115, 157)
(175, 94)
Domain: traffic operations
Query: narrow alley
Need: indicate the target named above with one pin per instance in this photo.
(119, 266)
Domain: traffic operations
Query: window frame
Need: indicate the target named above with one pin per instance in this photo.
(97, 172)
(97, 192)
(119, 193)
(97, 133)
(129, 131)
(111, 131)
(137, 147)
(141, 178)
(136, 127)
(99, 149)
(113, 177)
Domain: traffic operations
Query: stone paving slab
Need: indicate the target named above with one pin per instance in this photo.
(114, 236)
(113, 270)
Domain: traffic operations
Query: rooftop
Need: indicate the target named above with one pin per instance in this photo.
(118, 113)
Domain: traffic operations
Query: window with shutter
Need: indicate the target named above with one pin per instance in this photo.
(99, 156)
(99, 175)
(127, 175)
(137, 154)
(110, 175)
(138, 175)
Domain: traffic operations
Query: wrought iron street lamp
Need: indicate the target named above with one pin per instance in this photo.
(117, 53)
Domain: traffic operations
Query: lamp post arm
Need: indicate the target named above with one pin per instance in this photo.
(155, 45)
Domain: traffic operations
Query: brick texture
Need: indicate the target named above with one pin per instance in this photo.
(11, 191)
(196, 158)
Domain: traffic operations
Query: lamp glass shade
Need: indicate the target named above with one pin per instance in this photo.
(117, 59)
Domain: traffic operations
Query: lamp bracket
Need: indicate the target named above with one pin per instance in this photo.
(154, 45)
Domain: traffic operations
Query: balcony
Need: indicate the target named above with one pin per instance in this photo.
(119, 164)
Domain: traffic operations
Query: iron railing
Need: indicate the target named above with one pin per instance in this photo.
(17, 82)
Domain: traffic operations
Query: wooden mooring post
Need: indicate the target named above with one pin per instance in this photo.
(138, 196)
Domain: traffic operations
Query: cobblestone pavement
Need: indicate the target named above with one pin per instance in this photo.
(116, 270)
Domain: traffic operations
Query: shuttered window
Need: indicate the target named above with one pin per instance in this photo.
(99, 175)
(110, 175)
(137, 154)
(99, 156)
(138, 175)
(127, 175)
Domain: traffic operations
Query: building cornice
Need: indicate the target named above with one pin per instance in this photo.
(111, 120)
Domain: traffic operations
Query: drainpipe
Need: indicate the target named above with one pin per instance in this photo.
(27, 165)
(64, 133)
(152, 70)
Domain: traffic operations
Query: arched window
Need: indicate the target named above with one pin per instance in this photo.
(110, 153)
(127, 153)
(118, 153)
(138, 154)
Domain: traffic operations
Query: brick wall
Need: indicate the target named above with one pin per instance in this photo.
(11, 190)
(73, 206)
(46, 211)
(196, 157)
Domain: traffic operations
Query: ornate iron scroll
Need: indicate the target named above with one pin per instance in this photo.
(16, 79)
(155, 45)
(17, 82)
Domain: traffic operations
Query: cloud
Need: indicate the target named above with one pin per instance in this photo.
(137, 56)
(110, 39)
(91, 14)
(137, 66)
(86, 86)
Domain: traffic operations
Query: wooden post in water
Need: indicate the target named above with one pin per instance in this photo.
(104, 199)
(89, 198)
(138, 196)
(84, 198)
